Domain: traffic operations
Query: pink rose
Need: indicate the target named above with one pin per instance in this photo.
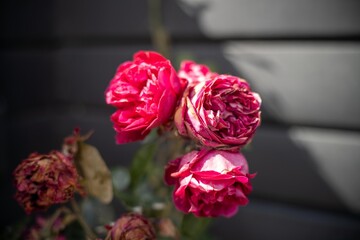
(146, 92)
(221, 112)
(194, 73)
(209, 183)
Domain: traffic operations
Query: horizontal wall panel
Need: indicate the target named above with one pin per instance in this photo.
(263, 18)
(73, 19)
(69, 75)
(268, 220)
(182, 18)
(82, 75)
(308, 166)
(303, 83)
(26, 19)
(124, 18)
(29, 77)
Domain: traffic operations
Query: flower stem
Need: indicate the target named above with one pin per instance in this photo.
(90, 234)
(47, 228)
(159, 35)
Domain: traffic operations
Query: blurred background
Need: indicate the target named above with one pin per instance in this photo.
(303, 57)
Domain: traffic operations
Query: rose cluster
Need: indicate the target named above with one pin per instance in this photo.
(217, 115)
(219, 112)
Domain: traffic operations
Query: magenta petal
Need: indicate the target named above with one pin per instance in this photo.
(229, 210)
(165, 108)
(148, 57)
(170, 168)
(181, 202)
(130, 136)
(242, 179)
(213, 175)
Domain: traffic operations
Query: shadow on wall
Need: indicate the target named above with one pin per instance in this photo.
(305, 165)
(282, 157)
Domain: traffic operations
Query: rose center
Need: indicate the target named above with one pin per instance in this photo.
(225, 112)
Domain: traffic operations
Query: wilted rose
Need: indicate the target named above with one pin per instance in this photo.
(209, 183)
(194, 73)
(42, 180)
(221, 112)
(145, 91)
(132, 226)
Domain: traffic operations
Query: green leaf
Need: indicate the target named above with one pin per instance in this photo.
(194, 227)
(142, 163)
(97, 176)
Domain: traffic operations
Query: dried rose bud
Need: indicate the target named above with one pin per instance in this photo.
(42, 180)
(132, 226)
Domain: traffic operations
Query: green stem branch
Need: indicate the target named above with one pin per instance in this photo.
(90, 234)
(159, 36)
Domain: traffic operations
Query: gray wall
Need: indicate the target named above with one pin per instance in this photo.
(303, 57)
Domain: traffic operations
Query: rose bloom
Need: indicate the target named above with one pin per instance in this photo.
(42, 180)
(132, 226)
(145, 91)
(194, 73)
(209, 183)
(221, 112)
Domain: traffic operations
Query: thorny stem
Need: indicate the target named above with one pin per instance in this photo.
(90, 234)
(55, 216)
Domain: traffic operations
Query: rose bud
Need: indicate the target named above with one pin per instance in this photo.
(145, 91)
(221, 112)
(209, 183)
(132, 226)
(42, 180)
(194, 73)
